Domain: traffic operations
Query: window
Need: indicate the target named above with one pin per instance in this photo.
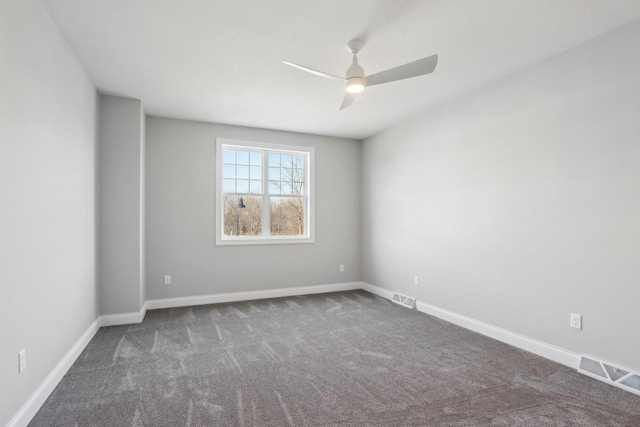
(264, 193)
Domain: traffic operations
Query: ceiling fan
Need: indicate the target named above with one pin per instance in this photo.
(357, 81)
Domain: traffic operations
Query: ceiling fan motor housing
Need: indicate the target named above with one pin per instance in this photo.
(355, 70)
(355, 76)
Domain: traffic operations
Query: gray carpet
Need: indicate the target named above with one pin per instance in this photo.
(340, 359)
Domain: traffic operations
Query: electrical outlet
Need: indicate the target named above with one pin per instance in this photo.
(575, 321)
(167, 280)
(22, 361)
(341, 268)
(416, 280)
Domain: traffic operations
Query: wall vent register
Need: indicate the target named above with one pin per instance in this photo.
(403, 300)
(617, 377)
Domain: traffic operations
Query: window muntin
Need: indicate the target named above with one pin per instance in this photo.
(241, 171)
(264, 193)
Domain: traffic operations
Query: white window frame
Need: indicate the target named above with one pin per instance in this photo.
(309, 194)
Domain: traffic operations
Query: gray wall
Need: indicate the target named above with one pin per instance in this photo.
(121, 205)
(47, 213)
(520, 203)
(180, 215)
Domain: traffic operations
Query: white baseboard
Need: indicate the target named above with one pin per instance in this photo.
(557, 354)
(123, 318)
(548, 351)
(138, 316)
(384, 293)
(250, 295)
(37, 399)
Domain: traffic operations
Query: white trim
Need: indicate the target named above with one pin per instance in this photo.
(259, 240)
(557, 354)
(124, 318)
(250, 295)
(247, 145)
(381, 292)
(29, 409)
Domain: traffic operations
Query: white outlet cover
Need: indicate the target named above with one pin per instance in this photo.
(341, 268)
(416, 280)
(167, 280)
(575, 321)
(22, 361)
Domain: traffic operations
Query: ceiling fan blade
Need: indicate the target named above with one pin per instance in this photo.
(412, 69)
(348, 100)
(312, 71)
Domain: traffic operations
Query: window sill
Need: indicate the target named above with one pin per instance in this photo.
(271, 241)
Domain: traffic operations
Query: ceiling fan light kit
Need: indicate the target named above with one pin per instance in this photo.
(356, 80)
(355, 85)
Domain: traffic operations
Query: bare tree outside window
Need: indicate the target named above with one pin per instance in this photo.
(287, 216)
(245, 221)
(287, 211)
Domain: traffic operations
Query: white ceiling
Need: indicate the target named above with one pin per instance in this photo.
(220, 61)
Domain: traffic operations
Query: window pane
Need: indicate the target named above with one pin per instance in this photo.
(274, 187)
(298, 174)
(285, 161)
(256, 172)
(255, 158)
(228, 171)
(242, 186)
(287, 215)
(245, 221)
(242, 157)
(298, 162)
(285, 187)
(298, 187)
(255, 186)
(242, 172)
(286, 174)
(228, 156)
(229, 186)
(274, 174)
(274, 160)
